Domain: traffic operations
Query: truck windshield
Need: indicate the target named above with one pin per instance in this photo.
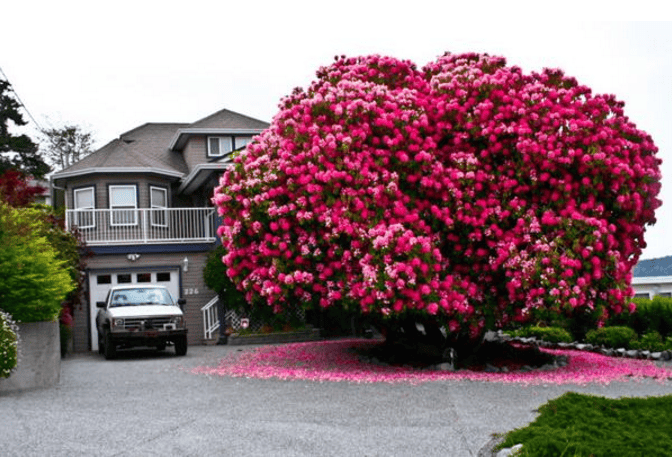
(141, 296)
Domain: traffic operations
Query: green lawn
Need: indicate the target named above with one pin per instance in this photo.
(583, 425)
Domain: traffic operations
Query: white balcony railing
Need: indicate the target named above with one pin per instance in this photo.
(101, 227)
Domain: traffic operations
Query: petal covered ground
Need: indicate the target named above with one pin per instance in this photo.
(338, 361)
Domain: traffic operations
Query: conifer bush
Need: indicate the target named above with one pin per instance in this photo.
(612, 337)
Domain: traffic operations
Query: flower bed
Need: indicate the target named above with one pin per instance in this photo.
(338, 361)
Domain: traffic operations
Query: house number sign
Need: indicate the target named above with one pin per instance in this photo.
(191, 291)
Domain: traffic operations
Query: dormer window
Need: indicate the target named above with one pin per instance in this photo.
(242, 141)
(219, 146)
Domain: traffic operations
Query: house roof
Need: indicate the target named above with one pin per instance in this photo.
(156, 148)
(143, 148)
(226, 119)
(222, 122)
(653, 267)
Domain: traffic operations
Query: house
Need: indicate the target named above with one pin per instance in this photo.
(653, 277)
(142, 204)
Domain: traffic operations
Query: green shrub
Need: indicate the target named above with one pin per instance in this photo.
(8, 345)
(550, 334)
(34, 282)
(651, 315)
(582, 425)
(613, 337)
(652, 341)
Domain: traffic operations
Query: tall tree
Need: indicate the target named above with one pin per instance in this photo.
(66, 145)
(17, 152)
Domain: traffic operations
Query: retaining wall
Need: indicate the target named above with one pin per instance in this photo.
(39, 358)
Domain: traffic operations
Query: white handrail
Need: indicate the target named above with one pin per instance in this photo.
(210, 318)
(143, 226)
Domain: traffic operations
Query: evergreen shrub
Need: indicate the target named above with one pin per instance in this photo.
(613, 337)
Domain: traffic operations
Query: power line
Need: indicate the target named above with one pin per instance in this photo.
(18, 99)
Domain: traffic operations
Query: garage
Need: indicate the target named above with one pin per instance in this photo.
(100, 281)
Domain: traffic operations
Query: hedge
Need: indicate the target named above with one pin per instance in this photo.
(651, 316)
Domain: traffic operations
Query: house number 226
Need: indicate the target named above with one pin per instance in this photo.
(193, 291)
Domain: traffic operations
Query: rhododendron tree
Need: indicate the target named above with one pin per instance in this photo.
(466, 195)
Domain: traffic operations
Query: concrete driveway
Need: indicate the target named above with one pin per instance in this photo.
(148, 403)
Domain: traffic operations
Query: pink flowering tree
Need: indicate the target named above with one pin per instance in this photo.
(465, 195)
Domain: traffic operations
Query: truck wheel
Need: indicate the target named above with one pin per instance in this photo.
(181, 345)
(110, 350)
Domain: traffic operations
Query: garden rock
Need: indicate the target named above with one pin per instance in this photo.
(511, 451)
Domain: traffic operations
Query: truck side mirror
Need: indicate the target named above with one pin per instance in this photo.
(100, 304)
(181, 302)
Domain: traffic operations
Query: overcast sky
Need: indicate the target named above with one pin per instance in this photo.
(111, 66)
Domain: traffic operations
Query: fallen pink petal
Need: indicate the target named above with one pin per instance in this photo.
(337, 361)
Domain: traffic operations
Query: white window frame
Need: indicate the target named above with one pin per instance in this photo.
(158, 218)
(123, 210)
(84, 214)
(225, 145)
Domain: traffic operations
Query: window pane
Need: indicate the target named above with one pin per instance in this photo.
(163, 277)
(84, 198)
(144, 277)
(122, 196)
(104, 279)
(242, 141)
(124, 279)
(225, 144)
(214, 146)
(159, 198)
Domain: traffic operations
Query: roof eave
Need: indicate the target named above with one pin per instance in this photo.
(180, 138)
(200, 174)
(98, 170)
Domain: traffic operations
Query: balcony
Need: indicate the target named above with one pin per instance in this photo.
(103, 227)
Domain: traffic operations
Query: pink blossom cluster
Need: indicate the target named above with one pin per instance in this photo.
(337, 361)
(465, 191)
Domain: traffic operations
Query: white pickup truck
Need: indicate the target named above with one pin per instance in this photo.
(138, 315)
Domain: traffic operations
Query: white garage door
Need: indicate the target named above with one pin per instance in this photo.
(100, 282)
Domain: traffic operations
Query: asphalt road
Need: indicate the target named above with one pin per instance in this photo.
(148, 403)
